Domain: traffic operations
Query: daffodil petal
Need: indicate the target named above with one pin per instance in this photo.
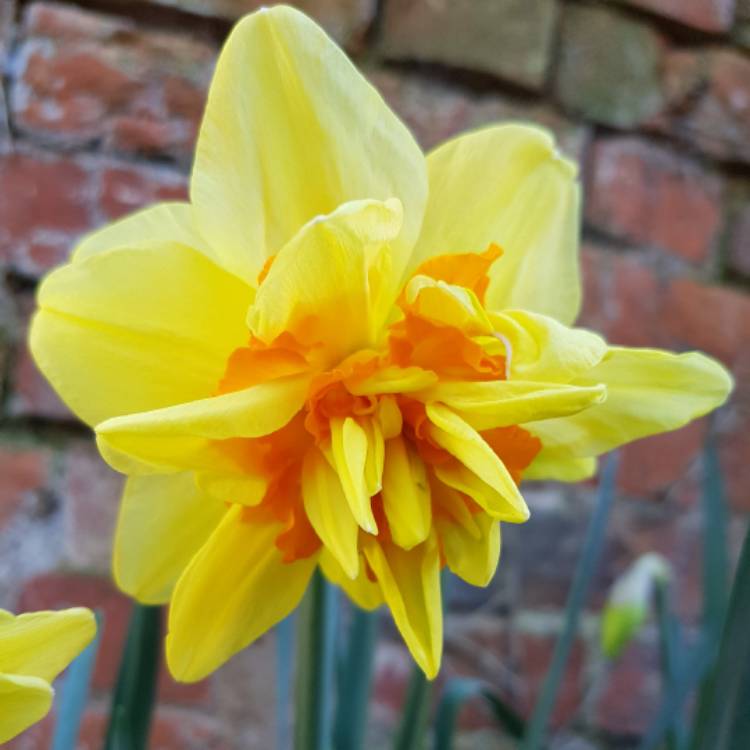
(406, 494)
(410, 582)
(447, 305)
(557, 463)
(243, 487)
(454, 435)
(349, 452)
(187, 436)
(457, 476)
(129, 330)
(508, 185)
(392, 379)
(42, 644)
(24, 700)
(162, 224)
(648, 391)
(322, 286)
(540, 348)
(235, 589)
(500, 403)
(329, 512)
(365, 593)
(164, 520)
(302, 134)
(474, 560)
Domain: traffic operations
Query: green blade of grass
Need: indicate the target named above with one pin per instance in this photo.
(135, 691)
(585, 570)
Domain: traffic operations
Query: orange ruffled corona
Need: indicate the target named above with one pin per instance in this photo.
(324, 359)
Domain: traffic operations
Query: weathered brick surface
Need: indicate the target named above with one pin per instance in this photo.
(706, 15)
(436, 111)
(25, 480)
(628, 701)
(647, 195)
(58, 197)
(84, 78)
(738, 250)
(346, 20)
(48, 205)
(707, 102)
(609, 66)
(508, 38)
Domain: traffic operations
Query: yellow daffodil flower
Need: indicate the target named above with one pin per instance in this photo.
(34, 649)
(340, 353)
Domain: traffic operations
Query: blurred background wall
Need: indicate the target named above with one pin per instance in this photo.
(102, 99)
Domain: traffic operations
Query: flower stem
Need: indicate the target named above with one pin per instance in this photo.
(315, 651)
(135, 692)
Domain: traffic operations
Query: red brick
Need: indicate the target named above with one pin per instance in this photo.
(25, 473)
(508, 38)
(91, 492)
(738, 251)
(622, 297)
(707, 102)
(734, 448)
(436, 111)
(31, 395)
(126, 188)
(706, 15)
(346, 20)
(534, 657)
(171, 730)
(711, 318)
(652, 465)
(647, 195)
(393, 667)
(86, 77)
(631, 694)
(50, 202)
(60, 590)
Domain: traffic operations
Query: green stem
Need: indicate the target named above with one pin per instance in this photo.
(355, 685)
(135, 692)
(315, 647)
(411, 732)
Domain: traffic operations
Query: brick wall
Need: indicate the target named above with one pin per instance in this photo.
(101, 103)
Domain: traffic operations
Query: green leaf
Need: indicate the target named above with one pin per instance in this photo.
(721, 722)
(698, 661)
(316, 637)
(74, 695)
(585, 570)
(411, 731)
(135, 691)
(355, 681)
(715, 556)
(671, 643)
(284, 677)
(456, 693)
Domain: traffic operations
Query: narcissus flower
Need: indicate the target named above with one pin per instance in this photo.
(340, 353)
(34, 649)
